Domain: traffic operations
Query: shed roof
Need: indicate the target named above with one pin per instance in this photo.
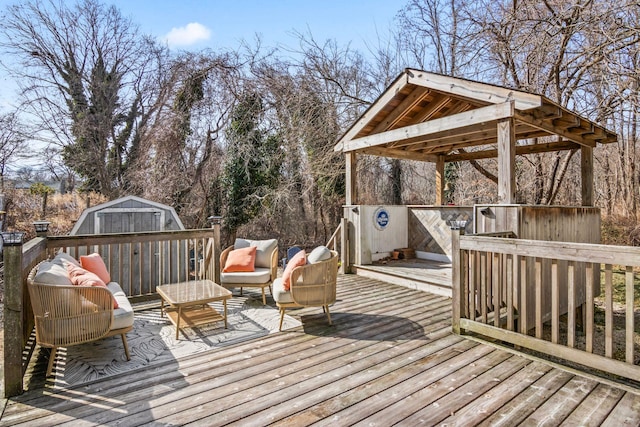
(423, 115)
(121, 201)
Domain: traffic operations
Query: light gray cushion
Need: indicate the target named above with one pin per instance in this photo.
(123, 315)
(264, 249)
(52, 274)
(241, 243)
(260, 275)
(63, 256)
(321, 253)
(279, 294)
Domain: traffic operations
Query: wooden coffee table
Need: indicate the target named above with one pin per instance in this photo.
(188, 303)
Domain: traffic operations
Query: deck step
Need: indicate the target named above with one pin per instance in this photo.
(424, 276)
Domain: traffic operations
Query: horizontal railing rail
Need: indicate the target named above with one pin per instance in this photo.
(557, 298)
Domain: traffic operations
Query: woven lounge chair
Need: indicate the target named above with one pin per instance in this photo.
(266, 267)
(312, 285)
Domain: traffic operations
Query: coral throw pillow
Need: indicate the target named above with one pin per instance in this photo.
(95, 264)
(81, 277)
(241, 260)
(298, 260)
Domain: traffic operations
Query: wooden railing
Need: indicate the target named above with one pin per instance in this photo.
(545, 296)
(339, 242)
(139, 262)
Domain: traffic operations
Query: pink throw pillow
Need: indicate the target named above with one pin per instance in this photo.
(81, 277)
(298, 260)
(95, 264)
(241, 260)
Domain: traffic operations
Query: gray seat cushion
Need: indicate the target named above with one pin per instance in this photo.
(279, 294)
(260, 275)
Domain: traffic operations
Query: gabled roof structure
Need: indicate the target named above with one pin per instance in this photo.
(432, 117)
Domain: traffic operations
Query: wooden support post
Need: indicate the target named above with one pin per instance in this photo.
(351, 191)
(506, 161)
(586, 169)
(458, 296)
(216, 252)
(440, 181)
(13, 319)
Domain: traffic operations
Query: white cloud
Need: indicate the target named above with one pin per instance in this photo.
(187, 35)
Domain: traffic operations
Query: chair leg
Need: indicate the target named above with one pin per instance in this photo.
(281, 318)
(326, 307)
(264, 298)
(240, 291)
(52, 358)
(126, 347)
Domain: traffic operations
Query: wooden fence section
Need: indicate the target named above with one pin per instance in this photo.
(140, 262)
(499, 283)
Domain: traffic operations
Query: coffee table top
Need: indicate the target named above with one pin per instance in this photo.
(193, 292)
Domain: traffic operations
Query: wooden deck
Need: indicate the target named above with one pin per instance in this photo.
(390, 358)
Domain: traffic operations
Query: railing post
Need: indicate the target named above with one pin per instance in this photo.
(344, 244)
(456, 266)
(216, 253)
(13, 318)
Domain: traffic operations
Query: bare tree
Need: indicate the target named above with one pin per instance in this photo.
(13, 143)
(83, 70)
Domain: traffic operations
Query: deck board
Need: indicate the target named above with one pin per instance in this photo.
(389, 358)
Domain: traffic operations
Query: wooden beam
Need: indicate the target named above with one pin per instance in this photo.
(506, 161)
(586, 170)
(399, 154)
(469, 118)
(409, 102)
(521, 150)
(440, 181)
(437, 103)
(531, 120)
(373, 110)
(477, 91)
(470, 136)
(351, 189)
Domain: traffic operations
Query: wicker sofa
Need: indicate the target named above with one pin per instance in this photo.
(67, 315)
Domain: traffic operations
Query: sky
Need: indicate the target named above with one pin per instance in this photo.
(199, 24)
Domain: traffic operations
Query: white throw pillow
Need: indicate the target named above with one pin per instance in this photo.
(321, 253)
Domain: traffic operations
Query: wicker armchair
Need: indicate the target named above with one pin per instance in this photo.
(312, 285)
(266, 270)
(71, 315)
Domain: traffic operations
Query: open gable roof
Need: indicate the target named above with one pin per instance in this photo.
(423, 115)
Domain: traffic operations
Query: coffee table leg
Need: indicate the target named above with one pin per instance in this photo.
(224, 304)
(161, 307)
(178, 321)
